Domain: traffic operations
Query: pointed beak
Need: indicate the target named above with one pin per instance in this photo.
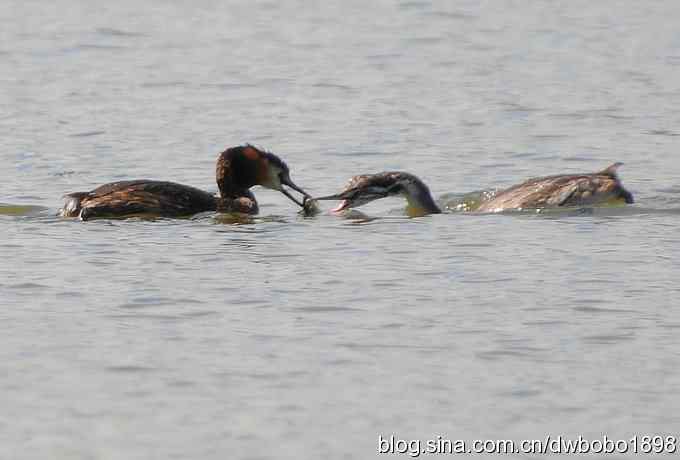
(344, 202)
(288, 182)
(355, 197)
(337, 196)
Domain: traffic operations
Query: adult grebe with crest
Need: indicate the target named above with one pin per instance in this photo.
(238, 169)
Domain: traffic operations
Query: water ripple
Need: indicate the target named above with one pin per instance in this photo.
(130, 369)
(608, 339)
(109, 31)
(88, 134)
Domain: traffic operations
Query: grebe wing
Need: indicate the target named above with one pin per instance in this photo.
(125, 198)
(124, 184)
(533, 193)
(561, 190)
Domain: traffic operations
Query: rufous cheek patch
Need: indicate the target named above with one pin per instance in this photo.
(251, 153)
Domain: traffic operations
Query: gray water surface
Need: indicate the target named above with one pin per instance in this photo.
(301, 338)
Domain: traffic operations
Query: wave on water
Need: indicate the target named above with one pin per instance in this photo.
(20, 209)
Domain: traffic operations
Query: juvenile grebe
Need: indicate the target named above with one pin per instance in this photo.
(544, 192)
(238, 169)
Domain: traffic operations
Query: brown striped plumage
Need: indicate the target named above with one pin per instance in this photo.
(539, 193)
(238, 169)
(561, 191)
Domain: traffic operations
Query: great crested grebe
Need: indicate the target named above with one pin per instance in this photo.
(563, 190)
(238, 169)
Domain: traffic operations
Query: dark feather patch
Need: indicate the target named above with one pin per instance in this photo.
(119, 199)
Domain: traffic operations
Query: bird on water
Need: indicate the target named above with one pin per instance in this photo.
(564, 190)
(238, 169)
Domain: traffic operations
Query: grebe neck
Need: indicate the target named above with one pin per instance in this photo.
(236, 171)
(419, 198)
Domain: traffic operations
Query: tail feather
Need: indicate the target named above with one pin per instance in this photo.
(611, 170)
(72, 204)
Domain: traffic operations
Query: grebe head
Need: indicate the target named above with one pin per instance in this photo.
(365, 188)
(239, 168)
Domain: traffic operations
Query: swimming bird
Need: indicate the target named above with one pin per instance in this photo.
(564, 190)
(238, 169)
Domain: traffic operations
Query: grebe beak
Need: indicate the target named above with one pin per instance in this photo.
(345, 201)
(286, 180)
(337, 196)
(358, 196)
